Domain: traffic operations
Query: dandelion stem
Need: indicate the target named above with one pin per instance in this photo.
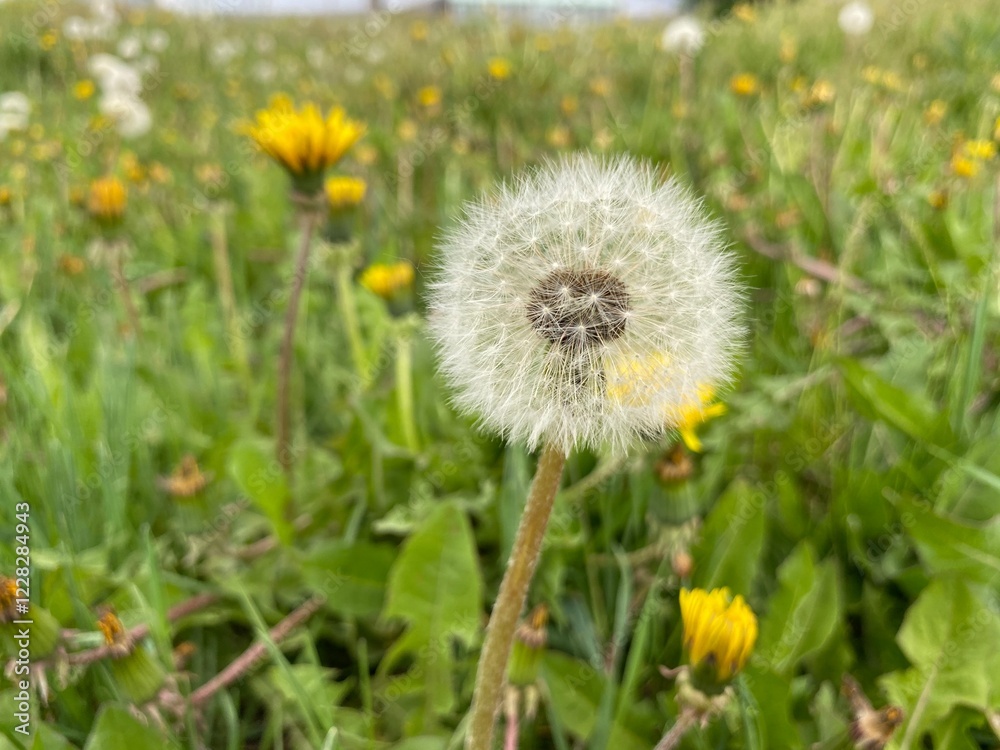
(499, 640)
(307, 219)
(227, 297)
(404, 388)
(687, 719)
(349, 314)
(121, 282)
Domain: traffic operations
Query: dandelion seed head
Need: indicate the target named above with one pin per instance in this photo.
(585, 304)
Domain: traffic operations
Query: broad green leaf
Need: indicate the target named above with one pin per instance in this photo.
(729, 550)
(575, 689)
(947, 546)
(351, 576)
(953, 732)
(48, 738)
(435, 586)
(116, 727)
(773, 709)
(256, 471)
(909, 412)
(803, 614)
(950, 635)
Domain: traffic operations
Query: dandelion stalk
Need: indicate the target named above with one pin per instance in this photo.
(499, 640)
(349, 314)
(404, 385)
(307, 222)
(687, 719)
(121, 284)
(227, 297)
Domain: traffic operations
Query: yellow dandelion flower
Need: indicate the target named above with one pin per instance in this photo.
(719, 630)
(5, 195)
(387, 279)
(344, 193)
(159, 173)
(821, 92)
(419, 31)
(366, 155)
(107, 199)
(303, 141)
(935, 112)
(8, 599)
(744, 84)
(407, 131)
(693, 415)
(964, 167)
(789, 49)
(48, 40)
(745, 12)
(83, 90)
(499, 69)
(938, 199)
(559, 136)
(569, 105)
(981, 150)
(429, 97)
(600, 86)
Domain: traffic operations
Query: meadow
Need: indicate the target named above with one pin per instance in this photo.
(193, 585)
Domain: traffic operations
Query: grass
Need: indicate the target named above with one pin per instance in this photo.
(850, 492)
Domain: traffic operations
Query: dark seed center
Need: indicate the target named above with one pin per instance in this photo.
(579, 309)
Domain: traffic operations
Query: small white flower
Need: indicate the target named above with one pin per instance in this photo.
(77, 29)
(115, 75)
(264, 71)
(856, 18)
(585, 304)
(225, 50)
(157, 40)
(129, 46)
(131, 115)
(683, 35)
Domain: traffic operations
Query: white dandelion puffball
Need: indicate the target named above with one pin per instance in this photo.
(856, 19)
(585, 304)
(683, 35)
(132, 117)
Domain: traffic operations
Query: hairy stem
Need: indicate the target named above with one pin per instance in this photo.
(672, 739)
(513, 590)
(307, 220)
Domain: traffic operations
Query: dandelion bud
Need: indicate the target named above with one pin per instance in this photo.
(529, 645)
(587, 303)
(138, 675)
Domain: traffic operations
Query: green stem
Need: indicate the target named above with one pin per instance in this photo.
(308, 221)
(524, 556)
(404, 389)
(227, 297)
(349, 314)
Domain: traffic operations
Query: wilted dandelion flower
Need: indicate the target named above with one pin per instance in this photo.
(719, 630)
(303, 141)
(571, 276)
(856, 19)
(683, 35)
(106, 200)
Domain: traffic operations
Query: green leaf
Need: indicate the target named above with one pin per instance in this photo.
(575, 689)
(908, 412)
(803, 614)
(435, 586)
(253, 467)
(49, 739)
(949, 635)
(351, 576)
(116, 727)
(728, 553)
(971, 551)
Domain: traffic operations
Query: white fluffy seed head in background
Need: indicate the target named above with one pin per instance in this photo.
(585, 304)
